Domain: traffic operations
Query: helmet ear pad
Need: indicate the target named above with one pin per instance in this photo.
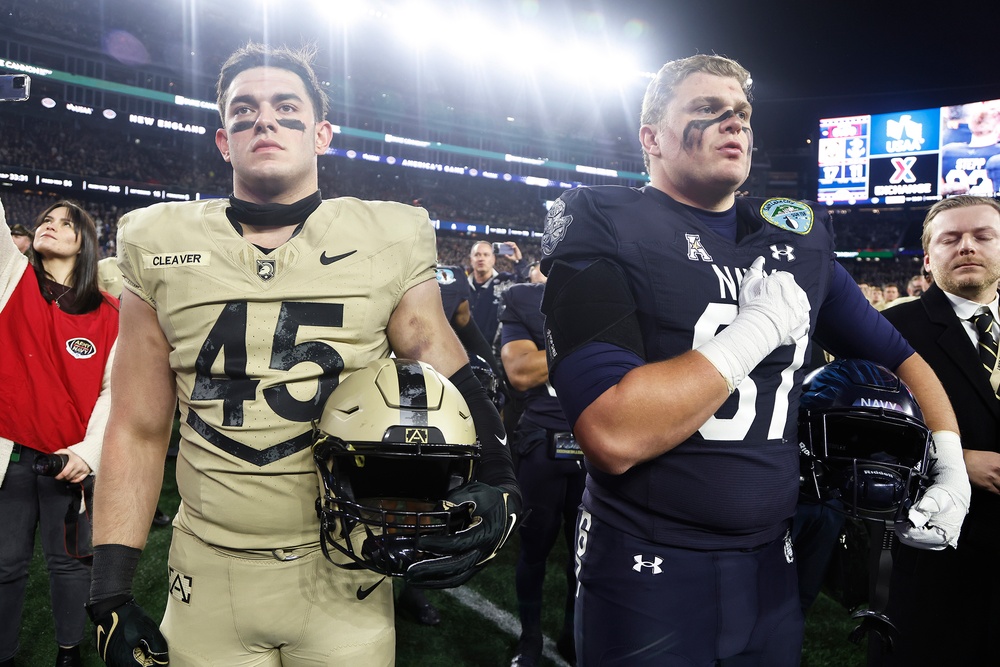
(862, 440)
(394, 439)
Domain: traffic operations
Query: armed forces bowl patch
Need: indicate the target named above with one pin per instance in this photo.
(788, 214)
(556, 225)
(80, 348)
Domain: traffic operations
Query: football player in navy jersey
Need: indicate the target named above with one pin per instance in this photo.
(678, 317)
(549, 467)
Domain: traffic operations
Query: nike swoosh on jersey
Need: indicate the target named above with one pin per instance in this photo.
(326, 261)
(365, 592)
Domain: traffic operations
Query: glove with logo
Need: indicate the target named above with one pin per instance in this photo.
(126, 636)
(773, 311)
(935, 521)
(494, 514)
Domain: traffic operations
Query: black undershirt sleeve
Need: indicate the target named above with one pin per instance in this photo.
(495, 466)
(475, 343)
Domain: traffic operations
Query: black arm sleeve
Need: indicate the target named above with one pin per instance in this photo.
(474, 343)
(495, 467)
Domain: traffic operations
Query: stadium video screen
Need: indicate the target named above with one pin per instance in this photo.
(910, 156)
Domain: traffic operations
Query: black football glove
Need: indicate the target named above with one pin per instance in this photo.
(126, 636)
(494, 514)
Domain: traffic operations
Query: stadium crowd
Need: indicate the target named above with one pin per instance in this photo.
(69, 149)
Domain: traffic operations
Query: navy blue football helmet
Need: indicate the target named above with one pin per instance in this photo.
(862, 440)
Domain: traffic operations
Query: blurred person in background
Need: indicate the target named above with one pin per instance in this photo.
(876, 298)
(21, 237)
(890, 292)
(549, 467)
(58, 333)
(488, 284)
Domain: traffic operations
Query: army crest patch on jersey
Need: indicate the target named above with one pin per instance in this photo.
(555, 227)
(788, 214)
(265, 268)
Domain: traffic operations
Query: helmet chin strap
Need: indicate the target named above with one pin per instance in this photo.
(882, 537)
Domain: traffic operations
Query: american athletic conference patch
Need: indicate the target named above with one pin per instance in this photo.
(788, 214)
(80, 348)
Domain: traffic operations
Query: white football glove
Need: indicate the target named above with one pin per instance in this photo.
(937, 517)
(773, 311)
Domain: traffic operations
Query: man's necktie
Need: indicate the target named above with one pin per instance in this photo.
(983, 321)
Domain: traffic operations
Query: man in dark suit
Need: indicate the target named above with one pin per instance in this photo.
(947, 603)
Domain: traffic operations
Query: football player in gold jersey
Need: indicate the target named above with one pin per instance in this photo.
(249, 312)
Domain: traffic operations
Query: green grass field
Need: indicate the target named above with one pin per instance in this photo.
(465, 637)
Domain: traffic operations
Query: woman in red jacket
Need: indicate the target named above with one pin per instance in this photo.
(57, 338)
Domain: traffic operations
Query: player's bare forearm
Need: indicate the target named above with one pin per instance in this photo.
(650, 411)
(418, 329)
(934, 402)
(984, 469)
(524, 364)
(138, 433)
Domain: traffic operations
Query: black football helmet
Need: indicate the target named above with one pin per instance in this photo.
(862, 440)
(394, 438)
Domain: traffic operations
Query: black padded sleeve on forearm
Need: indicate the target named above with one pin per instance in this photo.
(495, 466)
(474, 342)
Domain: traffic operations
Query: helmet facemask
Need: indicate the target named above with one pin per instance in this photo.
(862, 441)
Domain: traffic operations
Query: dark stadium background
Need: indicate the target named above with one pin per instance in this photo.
(809, 60)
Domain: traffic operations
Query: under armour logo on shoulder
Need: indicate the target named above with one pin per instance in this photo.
(641, 563)
(696, 251)
(787, 253)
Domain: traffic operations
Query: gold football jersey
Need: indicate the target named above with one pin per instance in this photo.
(109, 276)
(260, 340)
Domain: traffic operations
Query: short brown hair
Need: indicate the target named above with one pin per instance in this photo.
(19, 230)
(661, 89)
(252, 55)
(949, 203)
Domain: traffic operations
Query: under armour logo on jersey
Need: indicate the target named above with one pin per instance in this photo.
(265, 268)
(641, 563)
(696, 251)
(786, 253)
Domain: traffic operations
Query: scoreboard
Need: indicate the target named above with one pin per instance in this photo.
(910, 156)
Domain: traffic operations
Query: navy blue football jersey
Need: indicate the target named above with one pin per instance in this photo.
(522, 319)
(734, 483)
(454, 288)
